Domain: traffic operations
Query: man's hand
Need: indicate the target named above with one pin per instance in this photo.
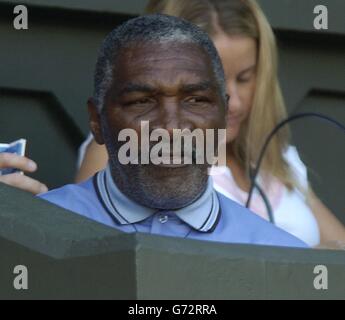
(17, 180)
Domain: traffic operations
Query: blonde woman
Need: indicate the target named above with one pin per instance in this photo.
(246, 45)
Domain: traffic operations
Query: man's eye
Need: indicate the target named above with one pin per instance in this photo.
(139, 102)
(198, 100)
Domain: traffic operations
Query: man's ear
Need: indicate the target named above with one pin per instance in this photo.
(95, 121)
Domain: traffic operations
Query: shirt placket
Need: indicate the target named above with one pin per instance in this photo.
(166, 223)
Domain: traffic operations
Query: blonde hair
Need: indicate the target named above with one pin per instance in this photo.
(245, 18)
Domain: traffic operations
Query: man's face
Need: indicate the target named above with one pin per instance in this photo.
(173, 87)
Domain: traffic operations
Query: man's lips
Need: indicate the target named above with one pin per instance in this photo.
(171, 165)
(167, 160)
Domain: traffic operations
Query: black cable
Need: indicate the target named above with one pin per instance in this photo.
(274, 131)
(266, 201)
(264, 198)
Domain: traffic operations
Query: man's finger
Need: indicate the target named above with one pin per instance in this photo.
(23, 182)
(11, 160)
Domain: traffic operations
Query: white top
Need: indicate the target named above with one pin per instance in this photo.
(290, 209)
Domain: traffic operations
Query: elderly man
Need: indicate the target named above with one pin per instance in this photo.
(166, 71)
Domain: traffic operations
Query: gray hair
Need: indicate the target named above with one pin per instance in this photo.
(150, 28)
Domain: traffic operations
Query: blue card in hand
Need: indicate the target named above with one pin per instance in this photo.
(17, 147)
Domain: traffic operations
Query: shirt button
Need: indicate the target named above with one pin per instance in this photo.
(163, 218)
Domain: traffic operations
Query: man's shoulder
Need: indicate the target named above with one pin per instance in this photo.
(74, 197)
(255, 228)
(68, 190)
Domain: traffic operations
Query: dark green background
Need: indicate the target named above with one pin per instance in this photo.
(46, 78)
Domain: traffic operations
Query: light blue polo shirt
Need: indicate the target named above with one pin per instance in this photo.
(212, 217)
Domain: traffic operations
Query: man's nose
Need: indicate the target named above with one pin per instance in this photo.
(172, 117)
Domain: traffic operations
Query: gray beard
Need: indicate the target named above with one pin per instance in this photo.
(156, 187)
(159, 187)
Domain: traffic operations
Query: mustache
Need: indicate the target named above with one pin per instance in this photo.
(172, 151)
(159, 153)
(169, 151)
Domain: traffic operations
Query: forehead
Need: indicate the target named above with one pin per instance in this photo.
(236, 52)
(163, 64)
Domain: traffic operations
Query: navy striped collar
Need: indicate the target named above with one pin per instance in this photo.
(202, 215)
